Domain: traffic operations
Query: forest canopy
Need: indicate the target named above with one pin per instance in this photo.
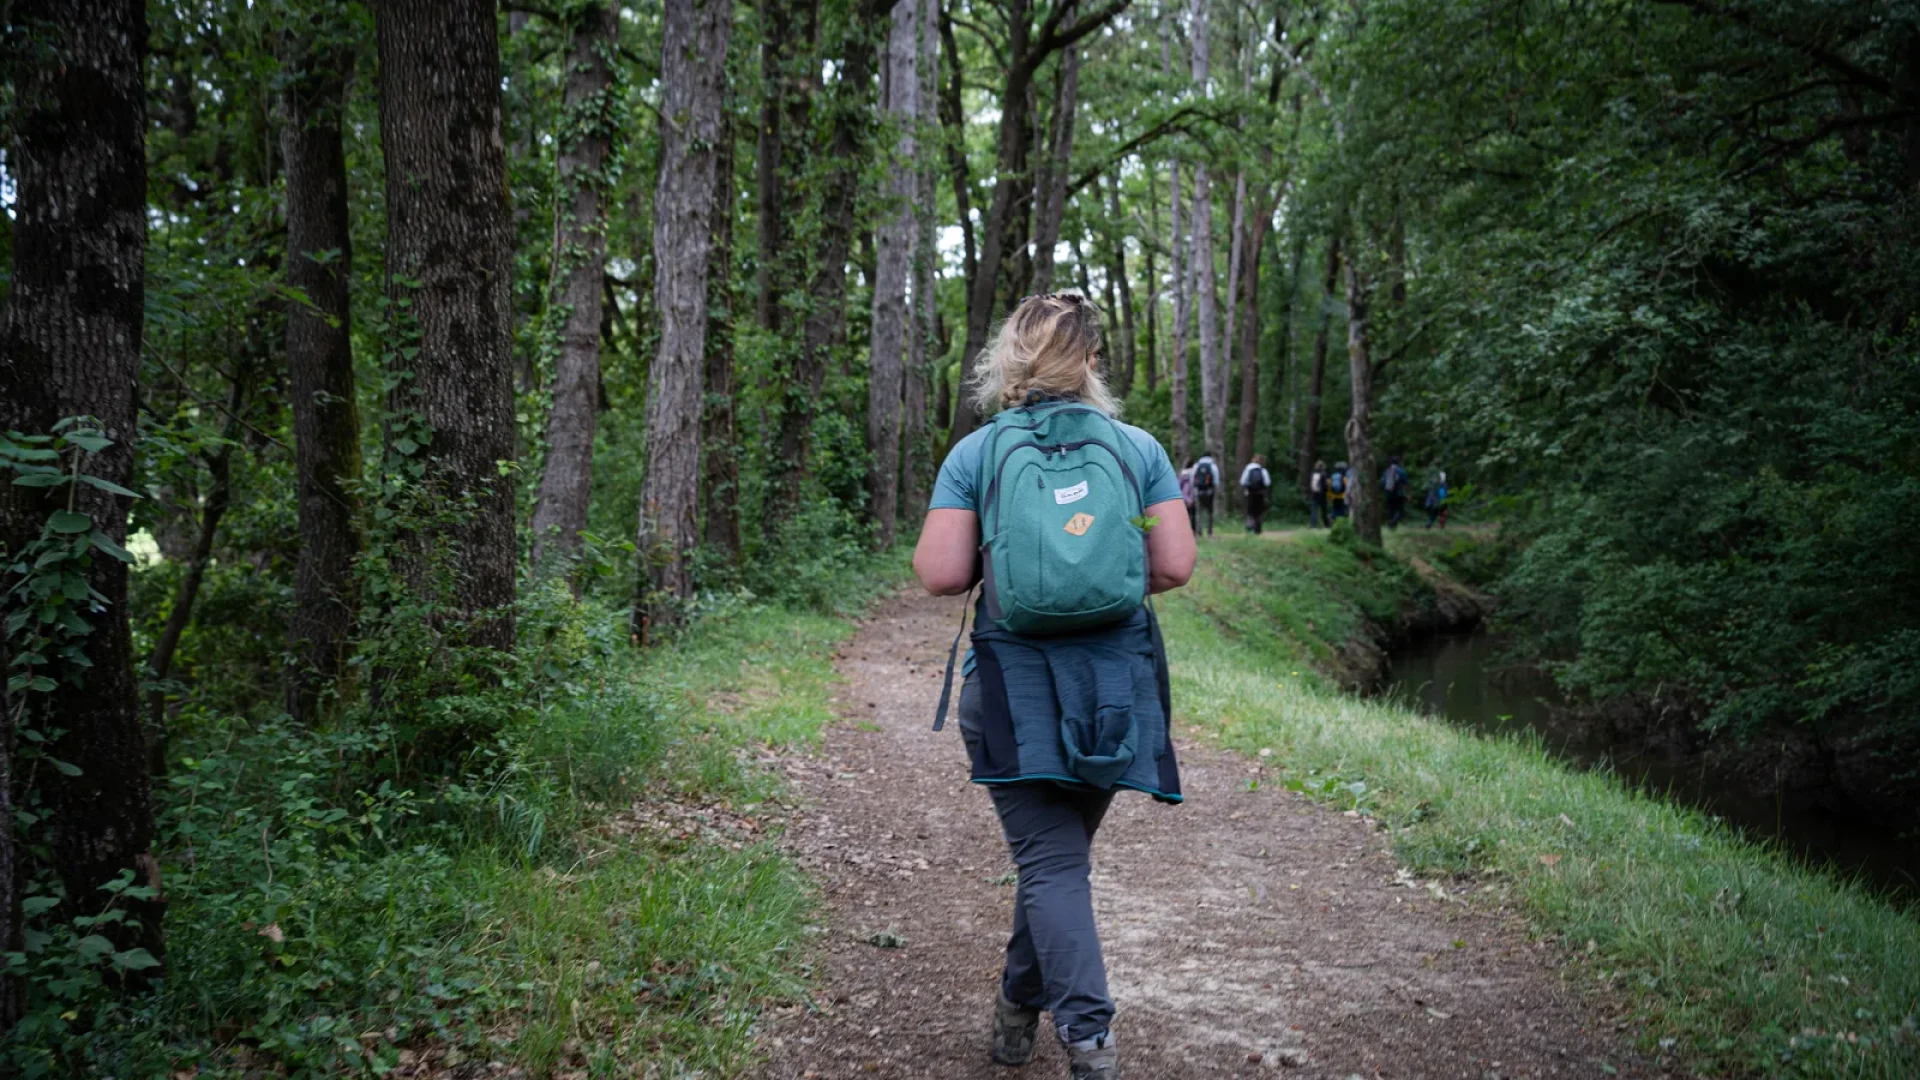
(374, 377)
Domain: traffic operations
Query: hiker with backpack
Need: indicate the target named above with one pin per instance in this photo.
(1065, 696)
(1337, 483)
(1394, 482)
(1317, 516)
(1206, 481)
(1437, 502)
(1254, 482)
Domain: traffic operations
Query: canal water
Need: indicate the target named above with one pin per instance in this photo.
(1465, 679)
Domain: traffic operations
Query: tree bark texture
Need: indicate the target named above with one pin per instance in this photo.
(1247, 325)
(823, 327)
(893, 241)
(579, 273)
(449, 271)
(70, 346)
(1316, 380)
(1363, 497)
(789, 73)
(326, 419)
(915, 461)
(693, 77)
(719, 463)
(1051, 203)
(1128, 340)
(1213, 375)
(1182, 319)
(1153, 287)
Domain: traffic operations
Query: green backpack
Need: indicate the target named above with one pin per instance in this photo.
(1062, 547)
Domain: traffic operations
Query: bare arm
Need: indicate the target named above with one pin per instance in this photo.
(949, 546)
(1170, 549)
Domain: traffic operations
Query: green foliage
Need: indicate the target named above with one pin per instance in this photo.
(333, 910)
(1737, 959)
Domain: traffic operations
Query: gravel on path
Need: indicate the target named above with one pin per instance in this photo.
(1250, 932)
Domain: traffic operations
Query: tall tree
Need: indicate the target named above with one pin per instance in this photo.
(693, 75)
(893, 239)
(1129, 341)
(1050, 193)
(1182, 290)
(1027, 48)
(579, 276)
(719, 462)
(70, 338)
(449, 269)
(789, 77)
(318, 53)
(823, 326)
(1363, 499)
(915, 464)
(1316, 379)
(1213, 374)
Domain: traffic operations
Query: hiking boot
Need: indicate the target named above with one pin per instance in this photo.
(1093, 1063)
(1013, 1031)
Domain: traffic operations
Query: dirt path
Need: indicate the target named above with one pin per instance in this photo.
(1246, 932)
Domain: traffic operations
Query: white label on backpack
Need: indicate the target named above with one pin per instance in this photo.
(1073, 494)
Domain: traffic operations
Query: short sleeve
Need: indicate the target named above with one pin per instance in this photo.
(1161, 483)
(954, 488)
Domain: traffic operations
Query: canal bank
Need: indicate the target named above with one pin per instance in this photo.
(1741, 959)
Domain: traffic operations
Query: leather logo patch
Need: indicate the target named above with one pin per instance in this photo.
(1079, 524)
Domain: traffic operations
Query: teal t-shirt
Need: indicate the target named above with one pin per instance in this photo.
(954, 488)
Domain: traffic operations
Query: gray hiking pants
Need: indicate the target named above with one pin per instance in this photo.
(1053, 957)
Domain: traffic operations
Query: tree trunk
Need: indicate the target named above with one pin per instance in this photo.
(1052, 202)
(579, 271)
(1253, 242)
(893, 239)
(1153, 288)
(218, 498)
(787, 74)
(449, 269)
(1213, 376)
(1182, 309)
(70, 346)
(1117, 273)
(1310, 427)
(320, 383)
(719, 463)
(1363, 498)
(1012, 181)
(914, 458)
(693, 76)
(826, 315)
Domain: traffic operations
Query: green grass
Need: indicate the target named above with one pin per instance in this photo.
(591, 894)
(1747, 961)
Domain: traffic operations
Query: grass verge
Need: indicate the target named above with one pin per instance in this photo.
(593, 898)
(1740, 960)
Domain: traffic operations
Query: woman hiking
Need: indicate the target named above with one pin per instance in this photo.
(1064, 699)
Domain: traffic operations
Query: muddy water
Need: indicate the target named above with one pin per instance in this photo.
(1465, 679)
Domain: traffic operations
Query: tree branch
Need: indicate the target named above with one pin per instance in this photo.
(1172, 122)
(1820, 54)
(1053, 39)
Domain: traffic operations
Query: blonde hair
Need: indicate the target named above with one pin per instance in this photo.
(1046, 346)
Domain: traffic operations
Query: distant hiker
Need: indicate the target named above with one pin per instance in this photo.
(1437, 502)
(1060, 706)
(1394, 482)
(1338, 481)
(1188, 496)
(1206, 482)
(1317, 517)
(1254, 481)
